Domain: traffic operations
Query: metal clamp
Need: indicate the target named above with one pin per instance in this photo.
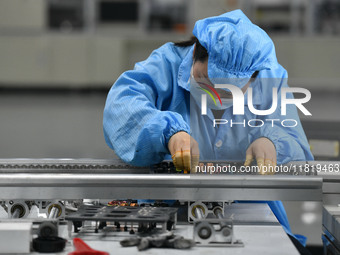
(215, 232)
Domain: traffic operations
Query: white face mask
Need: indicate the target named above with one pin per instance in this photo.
(196, 92)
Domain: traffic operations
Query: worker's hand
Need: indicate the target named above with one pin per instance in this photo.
(184, 151)
(265, 153)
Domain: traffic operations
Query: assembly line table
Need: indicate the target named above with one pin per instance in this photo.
(254, 224)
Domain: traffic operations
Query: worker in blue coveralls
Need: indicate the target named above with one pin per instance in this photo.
(154, 112)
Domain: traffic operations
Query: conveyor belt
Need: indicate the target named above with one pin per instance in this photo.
(114, 166)
(68, 166)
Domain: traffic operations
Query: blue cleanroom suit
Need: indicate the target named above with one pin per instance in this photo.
(149, 104)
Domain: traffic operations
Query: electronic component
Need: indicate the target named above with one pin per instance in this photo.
(146, 217)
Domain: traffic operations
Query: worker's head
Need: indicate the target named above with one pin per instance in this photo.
(200, 67)
(230, 49)
(200, 71)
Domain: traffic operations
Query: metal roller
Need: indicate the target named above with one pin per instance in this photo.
(54, 211)
(198, 211)
(17, 209)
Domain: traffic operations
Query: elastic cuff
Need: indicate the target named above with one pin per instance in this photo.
(172, 132)
(264, 132)
(269, 140)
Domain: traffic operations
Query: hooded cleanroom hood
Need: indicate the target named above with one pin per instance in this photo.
(236, 47)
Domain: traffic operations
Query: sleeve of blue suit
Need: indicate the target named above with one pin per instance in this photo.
(135, 126)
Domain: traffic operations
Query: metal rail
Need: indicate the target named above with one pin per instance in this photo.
(161, 186)
(107, 179)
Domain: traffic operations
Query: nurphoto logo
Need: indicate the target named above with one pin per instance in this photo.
(238, 105)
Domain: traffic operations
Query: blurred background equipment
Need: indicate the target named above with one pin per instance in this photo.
(65, 15)
(58, 59)
(88, 43)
